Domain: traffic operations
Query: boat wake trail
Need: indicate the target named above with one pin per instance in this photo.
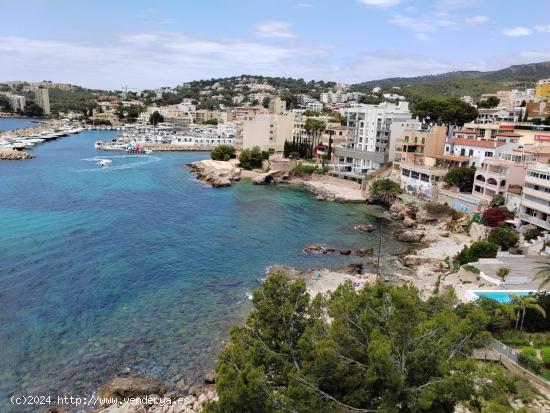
(116, 165)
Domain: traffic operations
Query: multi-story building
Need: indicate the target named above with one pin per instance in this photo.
(535, 201)
(369, 138)
(421, 161)
(43, 99)
(495, 115)
(276, 106)
(203, 115)
(495, 176)
(476, 150)
(542, 89)
(266, 131)
(17, 102)
(314, 106)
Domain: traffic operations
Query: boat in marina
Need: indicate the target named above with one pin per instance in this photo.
(104, 163)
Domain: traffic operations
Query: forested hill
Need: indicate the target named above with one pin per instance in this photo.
(462, 83)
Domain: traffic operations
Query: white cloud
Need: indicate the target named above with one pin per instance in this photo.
(412, 23)
(422, 36)
(476, 20)
(456, 4)
(543, 29)
(304, 6)
(380, 3)
(273, 29)
(517, 31)
(153, 59)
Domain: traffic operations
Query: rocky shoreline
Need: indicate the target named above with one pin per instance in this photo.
(224, 173)
(15, 155)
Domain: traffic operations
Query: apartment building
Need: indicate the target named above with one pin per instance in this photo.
(542, 90)
(42, 98)
(266, 131)
(369, 138)
(495, 176)
(276, 106)
(421, 160)
(476, 150)
(535, 201)
(17, 102)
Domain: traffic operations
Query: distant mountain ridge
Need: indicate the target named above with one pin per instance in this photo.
(530, 72)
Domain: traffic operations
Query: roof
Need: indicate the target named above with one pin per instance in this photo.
(452, 158)
(539, 149)
(509, 134)
(467, 131)
(476, 143)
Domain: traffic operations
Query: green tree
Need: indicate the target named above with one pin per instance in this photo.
(525, 303)
(497, 200)
(461, 177)
(314, 128)
(385, 191)
(5, 104)
(490, 102)
(384, 350)
(504, 236)
(478, 249)
(546, 121)
(33, 110)
(251, 158)
(265, 101)
(155, 118)
(210, 122)
(450, 111)
(222, 153)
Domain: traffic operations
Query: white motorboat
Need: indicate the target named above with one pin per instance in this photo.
(104, 163)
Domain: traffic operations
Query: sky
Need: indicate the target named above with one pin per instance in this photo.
(147, 44)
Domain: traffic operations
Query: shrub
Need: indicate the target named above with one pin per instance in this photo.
(478, 249)
(462, 177)
(456, 215)
(530, 362)
(530, 351)
(222, 153)
(502, 272)
(503, 236)
(492, 217)
(438, 209)
(251, 158)
(545, 354)
(471, 268)
(497, 200)
(306, 168)
(265, 155)
(531, 234)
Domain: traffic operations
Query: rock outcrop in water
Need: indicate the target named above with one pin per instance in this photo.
(216, 173)
(15, 155)
(154, 396)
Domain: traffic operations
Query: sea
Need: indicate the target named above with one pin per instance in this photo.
(139, 267)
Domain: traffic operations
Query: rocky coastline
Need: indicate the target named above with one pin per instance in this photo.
(326, 188)
(15, 155)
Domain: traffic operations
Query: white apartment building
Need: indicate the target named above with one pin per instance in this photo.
(369, 138)
(17, 102)
(314, 106)
(535, 200)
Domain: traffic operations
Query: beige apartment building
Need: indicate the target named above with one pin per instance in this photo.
(266, 131)
(42, 97)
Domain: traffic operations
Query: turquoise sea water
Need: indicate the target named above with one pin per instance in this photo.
(139, 265)
(501, 296)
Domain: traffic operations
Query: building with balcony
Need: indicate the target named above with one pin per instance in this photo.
(495, 176)
(368, 139)
(476, 150)
(265, 131)
(535, 201)
(42, 97)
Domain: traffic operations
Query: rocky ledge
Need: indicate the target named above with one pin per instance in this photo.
(14, 155)
(148, 395)
(215, 173)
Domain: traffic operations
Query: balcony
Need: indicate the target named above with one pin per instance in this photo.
(535, 221)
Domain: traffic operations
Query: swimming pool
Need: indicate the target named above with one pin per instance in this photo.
(502, 296)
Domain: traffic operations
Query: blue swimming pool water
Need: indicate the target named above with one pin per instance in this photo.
(500, 296)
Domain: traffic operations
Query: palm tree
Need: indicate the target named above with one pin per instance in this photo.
(510, 310)
(314, 128)
(385, 190)
(544, 273)
(526, 303)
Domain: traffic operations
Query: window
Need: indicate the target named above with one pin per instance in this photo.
(416, 139)
(423, 141)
